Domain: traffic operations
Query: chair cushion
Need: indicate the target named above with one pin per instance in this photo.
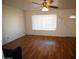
(13, 53)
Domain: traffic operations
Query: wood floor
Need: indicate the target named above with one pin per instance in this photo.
(45, 47)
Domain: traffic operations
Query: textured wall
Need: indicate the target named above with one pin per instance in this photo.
(65, 25)
(13, 23)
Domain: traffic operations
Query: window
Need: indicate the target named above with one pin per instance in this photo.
(44, 22)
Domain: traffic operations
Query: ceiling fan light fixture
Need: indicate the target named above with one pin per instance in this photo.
(44, 9)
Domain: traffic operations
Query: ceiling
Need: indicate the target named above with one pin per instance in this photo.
(28, 5)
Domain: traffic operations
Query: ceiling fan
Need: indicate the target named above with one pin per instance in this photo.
(46, 4)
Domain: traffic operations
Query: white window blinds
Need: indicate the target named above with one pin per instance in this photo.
(44, 22)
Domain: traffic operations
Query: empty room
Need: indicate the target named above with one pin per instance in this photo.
(39, 29)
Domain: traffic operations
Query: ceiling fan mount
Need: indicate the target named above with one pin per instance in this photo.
(44, 4)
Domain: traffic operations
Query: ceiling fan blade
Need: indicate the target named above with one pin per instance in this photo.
(37, 3)
(53, 6)
(50, 1)
(44, 0)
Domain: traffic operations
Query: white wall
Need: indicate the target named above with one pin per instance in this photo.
(65, 26)
(13, 23)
